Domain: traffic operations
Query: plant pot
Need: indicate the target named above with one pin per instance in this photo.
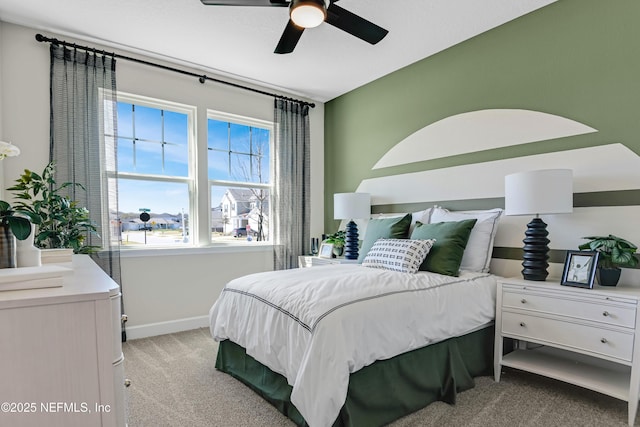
(27, 254)
(338, 251)
(7, 248)
(608, 276)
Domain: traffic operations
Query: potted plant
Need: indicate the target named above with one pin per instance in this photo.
(615, 252)
(337, 239)
(60, 222)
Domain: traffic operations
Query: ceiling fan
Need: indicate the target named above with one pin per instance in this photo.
(311, 13)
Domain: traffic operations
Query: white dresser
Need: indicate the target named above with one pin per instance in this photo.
(61, 360)
(585, 337)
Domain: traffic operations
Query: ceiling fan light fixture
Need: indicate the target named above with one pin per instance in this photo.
(308, 13)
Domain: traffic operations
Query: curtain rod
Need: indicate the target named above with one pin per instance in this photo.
(201, 77)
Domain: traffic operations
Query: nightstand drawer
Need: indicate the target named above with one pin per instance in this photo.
(569, 335)
(597, 311)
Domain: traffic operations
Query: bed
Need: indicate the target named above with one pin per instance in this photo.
(356, 316)
(362, 344)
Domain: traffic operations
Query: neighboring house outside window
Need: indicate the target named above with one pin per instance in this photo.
(239, 176)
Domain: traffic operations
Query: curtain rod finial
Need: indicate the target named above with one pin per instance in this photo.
(39, 37)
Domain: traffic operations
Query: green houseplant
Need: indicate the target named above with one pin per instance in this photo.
(60, 222)
(14, 220)
(337, 239)
(614, 253)
(13, 225)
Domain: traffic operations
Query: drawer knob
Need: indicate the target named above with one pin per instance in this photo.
(127, 382)
(524, 301)
(522, 324)
(605, 314)
(603, 340)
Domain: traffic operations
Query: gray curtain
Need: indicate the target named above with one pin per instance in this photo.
(83, 109)
(291, 198)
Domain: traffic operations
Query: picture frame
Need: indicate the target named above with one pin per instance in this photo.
(326, 250)
(580, 268)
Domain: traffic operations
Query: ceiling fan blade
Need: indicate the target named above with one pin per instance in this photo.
(245, 2)
(289, 38)
(354, 24)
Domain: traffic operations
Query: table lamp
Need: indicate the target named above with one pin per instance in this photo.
(351, 206)
(548, 191)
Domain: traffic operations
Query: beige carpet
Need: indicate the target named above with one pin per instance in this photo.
(174, 383)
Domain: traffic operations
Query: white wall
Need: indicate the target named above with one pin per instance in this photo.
(162, 290)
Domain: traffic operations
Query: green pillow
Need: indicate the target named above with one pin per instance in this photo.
(384, 228)
(451, 239)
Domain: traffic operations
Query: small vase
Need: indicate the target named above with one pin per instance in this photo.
(27, 254)
(7, 248)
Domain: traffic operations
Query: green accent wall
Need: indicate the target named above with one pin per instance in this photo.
(578, 59)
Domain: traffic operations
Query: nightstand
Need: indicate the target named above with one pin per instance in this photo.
(314, 261)
(581, 336)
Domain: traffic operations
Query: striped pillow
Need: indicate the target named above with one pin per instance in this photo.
(403, 255)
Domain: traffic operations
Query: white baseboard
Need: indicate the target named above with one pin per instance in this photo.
(169, 327)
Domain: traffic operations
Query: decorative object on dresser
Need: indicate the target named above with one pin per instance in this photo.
(585, 337)
(48, 276)
(314, 246)
(351, 206)
(7, 149)
(27, 255)
(337, 240)
(12, 226)
(579, 269)
(60, 222)
(547, 191)
(326, 250)
(615, 252)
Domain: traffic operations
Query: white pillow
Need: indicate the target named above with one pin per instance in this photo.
(477, 254)
(402, 255)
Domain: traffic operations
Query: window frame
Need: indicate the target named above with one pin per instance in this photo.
(190, 179)
(252, 122)
(197, 147)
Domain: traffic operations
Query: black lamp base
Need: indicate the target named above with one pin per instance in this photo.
(351, 241)
(536, 251)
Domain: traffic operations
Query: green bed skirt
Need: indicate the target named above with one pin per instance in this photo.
(385, 390)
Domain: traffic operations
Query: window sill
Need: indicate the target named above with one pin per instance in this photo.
(194, 250)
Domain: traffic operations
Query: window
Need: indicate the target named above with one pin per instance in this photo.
(157, 158)
(155, 174)
(239, 170)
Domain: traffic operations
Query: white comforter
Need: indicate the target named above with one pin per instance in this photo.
(317, 325)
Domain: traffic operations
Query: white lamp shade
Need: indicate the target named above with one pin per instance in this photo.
(547, 191)
(351, 205)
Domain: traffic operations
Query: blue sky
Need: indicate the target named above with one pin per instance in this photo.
(163, 197)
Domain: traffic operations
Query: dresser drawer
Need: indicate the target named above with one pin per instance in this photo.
(116, 327)
(609, 312)
(569, 335)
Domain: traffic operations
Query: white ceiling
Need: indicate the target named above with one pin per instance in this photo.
(238, 42)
